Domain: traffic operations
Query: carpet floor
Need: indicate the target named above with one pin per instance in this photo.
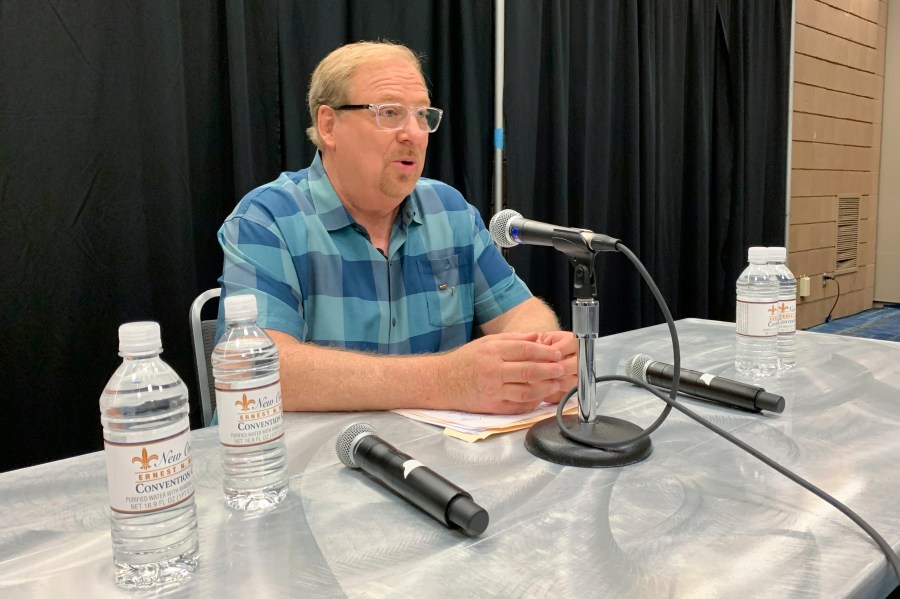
(877, 323)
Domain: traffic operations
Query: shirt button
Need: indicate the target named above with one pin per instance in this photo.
(393, 322)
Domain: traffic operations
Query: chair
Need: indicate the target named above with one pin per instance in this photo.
(203, 336)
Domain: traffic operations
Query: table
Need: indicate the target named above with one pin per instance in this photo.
(698, 518)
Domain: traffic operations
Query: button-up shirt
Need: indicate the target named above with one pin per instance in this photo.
(317, 276)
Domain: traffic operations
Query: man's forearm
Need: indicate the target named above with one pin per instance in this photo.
(532, 315)
(509, 373)
(317, 378)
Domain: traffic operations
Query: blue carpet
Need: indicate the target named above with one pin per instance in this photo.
(877, 323)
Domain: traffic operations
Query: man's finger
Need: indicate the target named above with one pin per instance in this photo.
(531, 372)
(523, 351)
(515, 336)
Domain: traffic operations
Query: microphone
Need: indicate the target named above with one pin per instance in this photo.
(509, 228)
(357, 446)
(704, 386)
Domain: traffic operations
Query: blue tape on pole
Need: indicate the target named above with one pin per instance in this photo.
(498, 138)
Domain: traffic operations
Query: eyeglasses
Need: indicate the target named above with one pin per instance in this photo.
(394, 116)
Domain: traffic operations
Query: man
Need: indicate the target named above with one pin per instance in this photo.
(370, 280)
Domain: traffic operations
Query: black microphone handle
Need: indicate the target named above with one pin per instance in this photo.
(564, 239)
(422, 487)
(532, 232)
(724, 391)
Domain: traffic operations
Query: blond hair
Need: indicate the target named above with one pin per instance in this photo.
(329, 82)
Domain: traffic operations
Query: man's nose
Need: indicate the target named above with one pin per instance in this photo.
(411, 129)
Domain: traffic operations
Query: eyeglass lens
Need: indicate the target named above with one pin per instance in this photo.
(393, 116)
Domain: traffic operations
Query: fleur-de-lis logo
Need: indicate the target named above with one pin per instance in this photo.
(773, 310)
(245, 403)
(782, 308)
(144, 459)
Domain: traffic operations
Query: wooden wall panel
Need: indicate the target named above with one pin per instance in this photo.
(813, 42)
(826, 102)
(865, 9)
(815, 209)
(819, 183)
(836, 147)
(812, 236)
(827, 75)
(837, 22)
(821, 156)
(831, 130)
(812, 262)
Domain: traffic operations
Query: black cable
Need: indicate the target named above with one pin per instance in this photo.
(838, 283)
(672, 402)
(879, 540)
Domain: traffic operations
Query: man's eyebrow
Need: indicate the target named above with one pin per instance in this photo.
(396, 100)
(390, 97)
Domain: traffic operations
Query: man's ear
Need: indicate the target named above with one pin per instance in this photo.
(325, 121)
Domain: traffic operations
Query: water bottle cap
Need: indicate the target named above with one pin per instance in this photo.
(758, 254)
(240, 307)
(139, 337)
(777, 254)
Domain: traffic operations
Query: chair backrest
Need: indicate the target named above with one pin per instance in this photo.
(203, 336)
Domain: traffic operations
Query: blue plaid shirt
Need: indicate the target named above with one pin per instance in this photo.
(316, 276)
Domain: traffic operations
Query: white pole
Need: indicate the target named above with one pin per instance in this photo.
(790, 131)
(499, 34)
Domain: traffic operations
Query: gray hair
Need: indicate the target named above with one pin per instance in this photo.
(329, 82)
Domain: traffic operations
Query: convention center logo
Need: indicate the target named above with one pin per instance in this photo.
(145, 460)
(245, 403)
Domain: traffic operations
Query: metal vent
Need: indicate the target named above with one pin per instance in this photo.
(847, 234)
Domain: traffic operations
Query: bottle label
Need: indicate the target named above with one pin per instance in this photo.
(757, 319)
(787, 316)
(249, 416)
(150, 476)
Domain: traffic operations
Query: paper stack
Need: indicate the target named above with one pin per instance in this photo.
(474, 427)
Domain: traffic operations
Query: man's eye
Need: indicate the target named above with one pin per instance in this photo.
(390, 113)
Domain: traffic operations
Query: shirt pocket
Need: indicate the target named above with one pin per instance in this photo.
(448, 290)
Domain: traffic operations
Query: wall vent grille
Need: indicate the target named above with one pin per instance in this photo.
(847, 255)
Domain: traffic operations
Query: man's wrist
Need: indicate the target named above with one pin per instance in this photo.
(445, 380)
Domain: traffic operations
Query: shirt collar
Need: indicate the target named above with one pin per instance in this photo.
(331, 210)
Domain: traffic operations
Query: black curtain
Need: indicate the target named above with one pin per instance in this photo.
(663, 124)
(129, 130)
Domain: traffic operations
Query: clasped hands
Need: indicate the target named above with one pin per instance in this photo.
(512, 373)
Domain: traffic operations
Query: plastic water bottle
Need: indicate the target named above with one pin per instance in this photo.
(248, 402)
(787, 307)
(146, 434)
(757, 318)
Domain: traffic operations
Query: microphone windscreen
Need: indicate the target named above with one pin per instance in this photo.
(344, 444)
(636, 367)
(499, 227)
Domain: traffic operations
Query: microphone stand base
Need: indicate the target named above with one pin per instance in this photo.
(547, 442)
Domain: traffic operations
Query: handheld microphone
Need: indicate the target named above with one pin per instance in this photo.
(357, 446)
(509, 228)
(704, 386)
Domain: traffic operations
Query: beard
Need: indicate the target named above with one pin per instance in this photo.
(398, 185)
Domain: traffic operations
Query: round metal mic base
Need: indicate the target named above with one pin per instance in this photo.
(545, 440)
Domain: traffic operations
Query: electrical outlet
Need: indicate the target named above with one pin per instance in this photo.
(826, 277)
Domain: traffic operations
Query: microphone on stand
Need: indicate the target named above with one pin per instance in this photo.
(357, 446)
(709, 387)
(509, 228)
(588, 439)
